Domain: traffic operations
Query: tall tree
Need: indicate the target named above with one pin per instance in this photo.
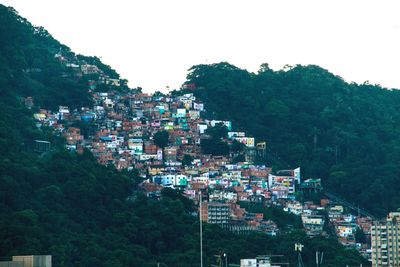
(161, 139)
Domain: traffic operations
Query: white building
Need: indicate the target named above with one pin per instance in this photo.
(174, 180)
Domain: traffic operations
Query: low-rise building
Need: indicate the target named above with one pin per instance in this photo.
(28, 261)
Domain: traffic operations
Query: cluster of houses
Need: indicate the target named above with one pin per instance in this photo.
(120, 130)
(330, 218)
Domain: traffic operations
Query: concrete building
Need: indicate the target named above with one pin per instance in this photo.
(171, 180)
(28, 261)
(313, 224)
(216, 213)
(170, 153)
(385, 241)
(261, 261)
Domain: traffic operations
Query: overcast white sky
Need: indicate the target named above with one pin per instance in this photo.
(153, 43)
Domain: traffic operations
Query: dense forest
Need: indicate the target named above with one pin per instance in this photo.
(345, 133)
(85, 214)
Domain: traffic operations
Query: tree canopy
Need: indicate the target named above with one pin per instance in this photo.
(85, 214)
(161, 138)
(346, 134)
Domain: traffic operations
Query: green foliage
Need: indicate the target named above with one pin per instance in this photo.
(283, 219)
(96, 61)
(85, 214)
(238, 247)
(219, 131)
(177, 194)
(158, 94)
(78, 211)
(187, 160)
(347, 134)
(215, 147)
(237, 147)
(28, 66)
(237, 151)
(161, 138)
(360, 236)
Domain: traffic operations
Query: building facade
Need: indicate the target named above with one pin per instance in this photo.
(216, 213)
(28, 261)
(385, 241)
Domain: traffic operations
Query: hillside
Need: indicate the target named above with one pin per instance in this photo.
(82, 213)
(347, 134)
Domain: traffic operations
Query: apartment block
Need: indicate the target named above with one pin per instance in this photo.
(216, 213)
(385, 241)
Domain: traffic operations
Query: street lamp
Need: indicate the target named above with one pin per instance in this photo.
(226, 259)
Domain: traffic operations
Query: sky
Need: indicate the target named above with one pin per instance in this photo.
(153, 43)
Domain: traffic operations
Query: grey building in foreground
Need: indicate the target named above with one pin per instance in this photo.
(28, 261)
(385, 241)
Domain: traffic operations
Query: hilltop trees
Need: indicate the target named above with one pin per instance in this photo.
(347, 134)
(85, 214)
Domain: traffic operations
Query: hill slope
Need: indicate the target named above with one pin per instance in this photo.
(347, 134)
(82, 213)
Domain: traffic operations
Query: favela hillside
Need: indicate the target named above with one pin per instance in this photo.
(294, 167)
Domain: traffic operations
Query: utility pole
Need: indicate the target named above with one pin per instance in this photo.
(319, 256)
(298, 247)
(201, 232)
(336, 154)
(219, 260)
